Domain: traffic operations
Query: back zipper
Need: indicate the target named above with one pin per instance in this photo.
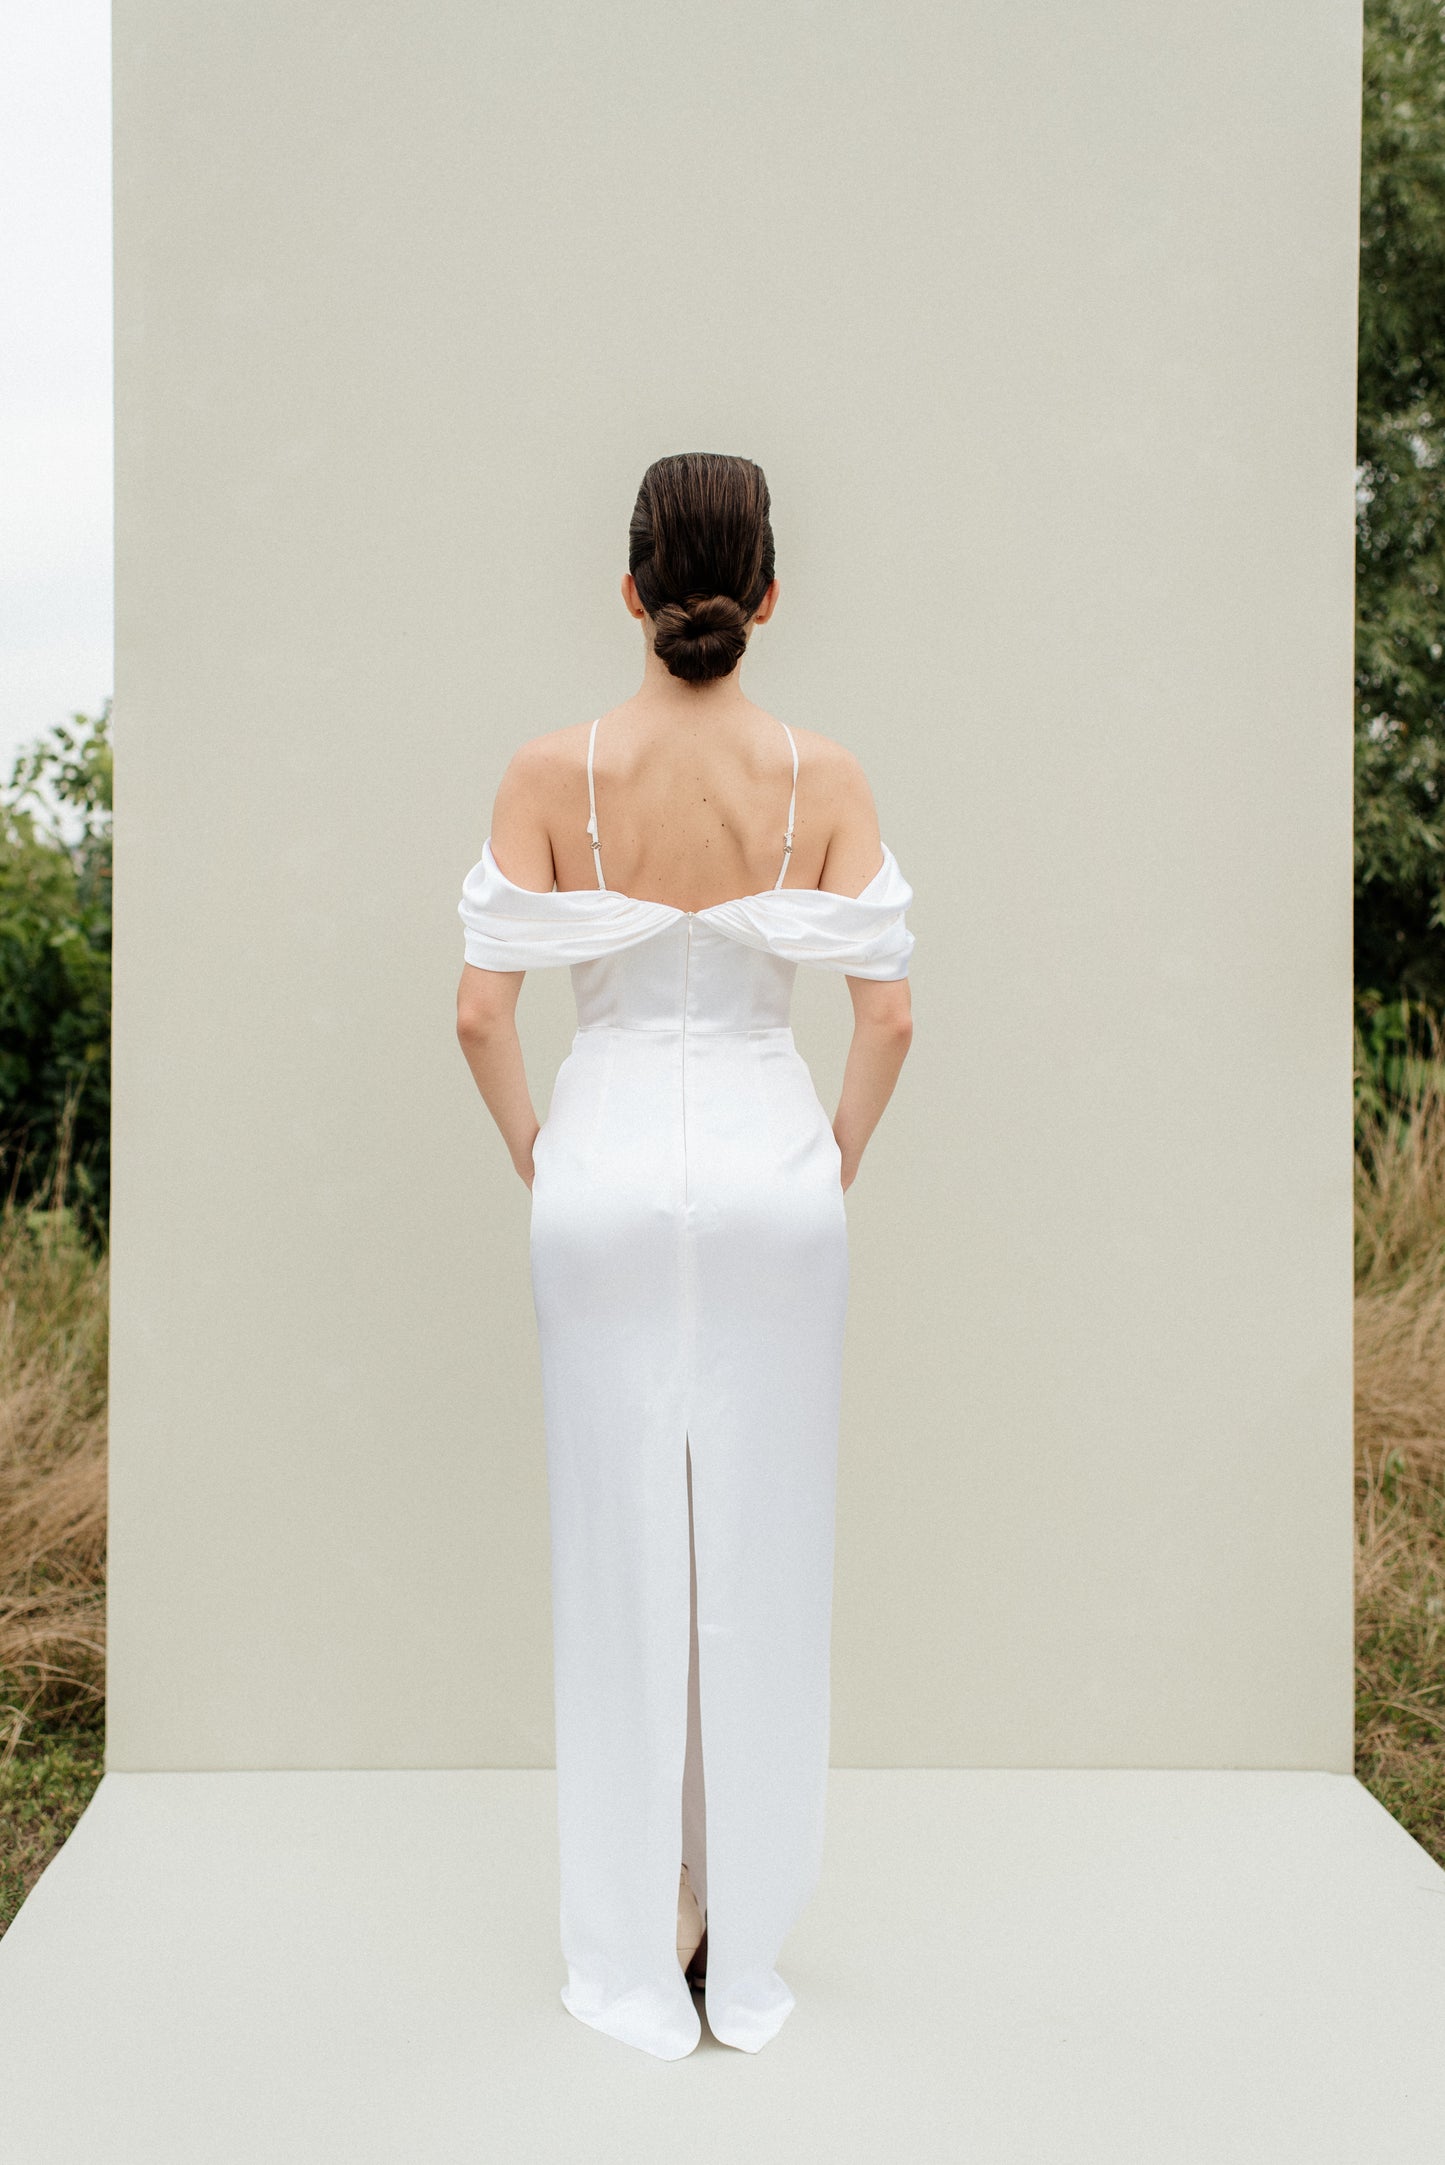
(682, 1056)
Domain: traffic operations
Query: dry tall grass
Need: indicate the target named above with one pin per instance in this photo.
(52, 1475)
(52, 1533)
(1400, 1458)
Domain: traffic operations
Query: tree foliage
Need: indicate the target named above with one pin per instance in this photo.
(55, 941)
(1400, 551)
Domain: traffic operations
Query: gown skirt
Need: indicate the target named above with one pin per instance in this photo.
(689, 1262)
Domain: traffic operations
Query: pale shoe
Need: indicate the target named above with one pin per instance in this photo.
(689, 1921)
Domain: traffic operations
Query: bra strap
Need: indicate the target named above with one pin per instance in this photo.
(792, 807)
(592, 805)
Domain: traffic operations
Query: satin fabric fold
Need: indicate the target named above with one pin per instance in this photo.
(519, 928)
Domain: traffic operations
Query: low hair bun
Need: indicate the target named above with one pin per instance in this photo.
(700, 549)
(701, 637)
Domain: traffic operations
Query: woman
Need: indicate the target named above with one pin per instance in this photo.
(689, 1261)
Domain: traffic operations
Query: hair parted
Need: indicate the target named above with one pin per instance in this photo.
(700, 549)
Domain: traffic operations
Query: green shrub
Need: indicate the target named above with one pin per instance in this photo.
(55, 938)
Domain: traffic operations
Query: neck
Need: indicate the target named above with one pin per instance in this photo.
(672, 698)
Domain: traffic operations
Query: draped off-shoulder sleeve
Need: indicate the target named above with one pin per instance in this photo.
(862, 935)
(517, 928)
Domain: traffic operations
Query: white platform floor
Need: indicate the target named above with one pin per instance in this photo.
(1048, 1968)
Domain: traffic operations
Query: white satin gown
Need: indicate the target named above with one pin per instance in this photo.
(689, 1261)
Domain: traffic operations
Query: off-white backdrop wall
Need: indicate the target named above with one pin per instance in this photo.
(1041, 322)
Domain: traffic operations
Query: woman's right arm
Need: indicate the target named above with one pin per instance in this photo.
(882, 1007)
(882, 1034)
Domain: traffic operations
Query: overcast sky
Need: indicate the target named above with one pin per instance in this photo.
(55, 365)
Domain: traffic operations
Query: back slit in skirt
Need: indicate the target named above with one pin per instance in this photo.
(694, 1805)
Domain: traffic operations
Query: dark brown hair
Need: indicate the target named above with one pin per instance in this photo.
(700, 549)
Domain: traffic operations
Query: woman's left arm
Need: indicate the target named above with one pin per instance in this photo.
(487, 1032)
(487, 999)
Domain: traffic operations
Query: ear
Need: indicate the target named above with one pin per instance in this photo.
(767, 605)
(630, 599)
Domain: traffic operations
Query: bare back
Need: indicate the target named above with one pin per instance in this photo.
(690, 811)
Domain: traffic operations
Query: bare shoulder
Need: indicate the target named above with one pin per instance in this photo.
(537, 780)
(840, 801)
(539, 766)
(835, 773)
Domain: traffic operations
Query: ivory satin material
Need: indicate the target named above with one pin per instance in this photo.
(689, 1261)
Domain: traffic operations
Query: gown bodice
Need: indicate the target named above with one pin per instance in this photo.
(651, 966)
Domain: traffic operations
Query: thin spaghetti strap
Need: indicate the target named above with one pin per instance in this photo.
(792, 807)
(592, 805)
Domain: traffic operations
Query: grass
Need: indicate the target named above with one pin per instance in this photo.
(53, 1339)
(1400, 1457)
(43, 1791)
(52, 1498)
